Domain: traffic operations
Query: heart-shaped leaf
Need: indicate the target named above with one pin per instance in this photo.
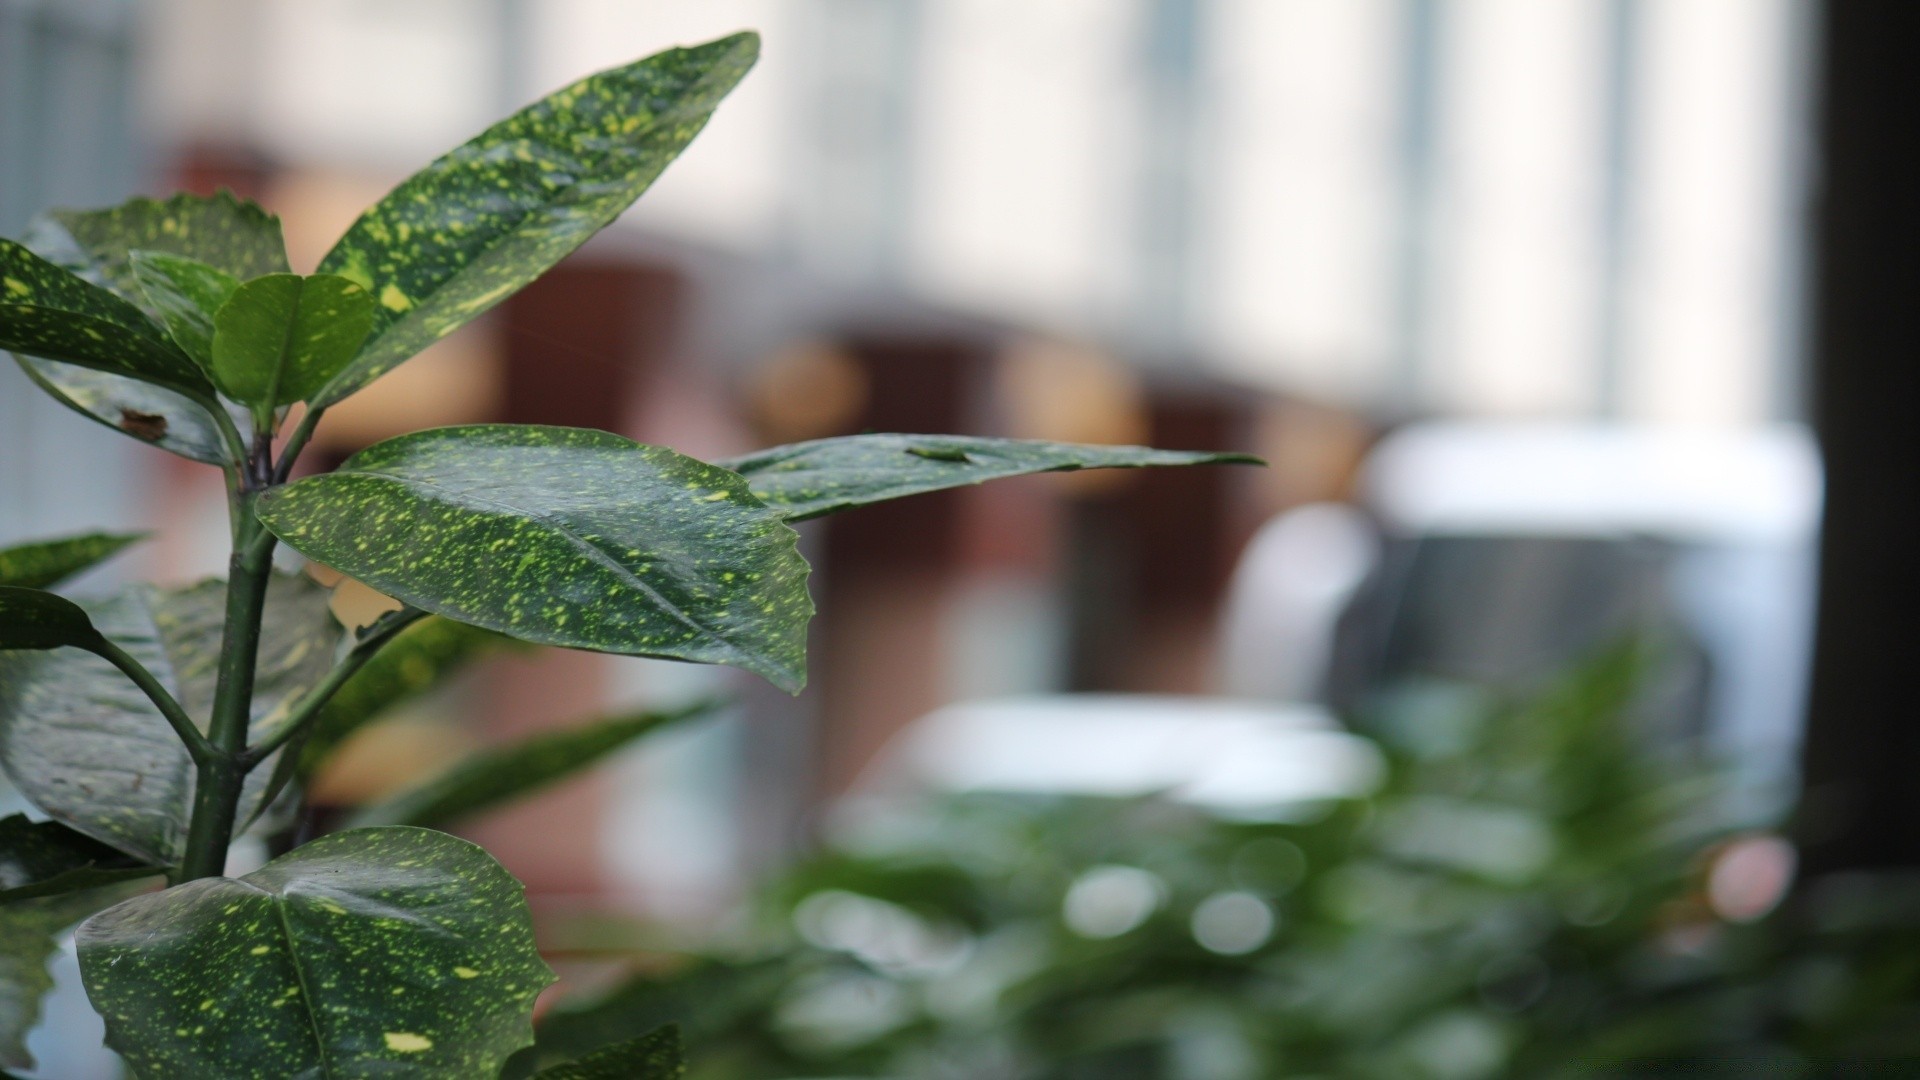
(227, 233)
(49, 312)
(503, 774)
(45, 858)
(810, 479)
(93, 752)
(29, 936)
(375, 952)
(185, 293)
(475, 226)
(279, 338)
(152, 414)
(654, 1056)
(563, 536)
(44, 563)
(32, 619)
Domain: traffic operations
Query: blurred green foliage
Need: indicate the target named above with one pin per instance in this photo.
(1534, 892)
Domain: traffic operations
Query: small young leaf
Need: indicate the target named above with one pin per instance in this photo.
(563, 536)
(32, 619)
(45, 858)
(654, 1056)
(475, 226)
(185, 293)
(809, 479)
(280, 337)
(223, 231)
(505, 773)
(46, 311)
(29, 936)
(375, 952)
(45, 563)
(91, 750)
(152, 414)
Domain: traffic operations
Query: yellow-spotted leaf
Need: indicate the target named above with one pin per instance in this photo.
(185, 294)
(153, 414)
(44, 563)
(475, 226)
(563, 536)
(279, 338)
(401, 953)
(36, 620)
(49, 312)
(809, 479)
(654, 1056)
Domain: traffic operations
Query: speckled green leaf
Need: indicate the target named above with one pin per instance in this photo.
(89, 748)
(419, 658)
(656, 1056)
(376, 952)
(223, 231)
(184, 294)
(563, 536)
(810, 479)
(29, 936)
(49, 312)
(475, 226)
(152, 414)
(44, 563)
(45, 858)
(32, 619)
(281, 337)
(500, 775)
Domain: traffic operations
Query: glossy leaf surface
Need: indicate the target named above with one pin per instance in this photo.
(222, 230)
(152, 414)
(809, 479)
(45, 858)
(29, 936)
(32, 619)
(49, 312)
(375, 952)
(655, 1056)
(476, 225)
(498, 776)
(184, 294)
(421, 657)
(44, 563)
(89, 748)
(563, 536)
(279, 338)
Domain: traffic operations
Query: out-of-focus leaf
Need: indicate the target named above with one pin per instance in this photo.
(280, 337)
(500, 775)
(223, 231)
(375, 952)
(49, 312)
(563, 536)
(152, 414)
(809, 479)
(91, 750)
(184, 293)
(655, 1056)
(481, 222)
(45, 563)
(29, 936)
(45, 858)
(32, 619)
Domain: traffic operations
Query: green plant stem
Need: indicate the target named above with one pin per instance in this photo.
(198, 748)
(370, 642)
(216, 797)
(296, 442)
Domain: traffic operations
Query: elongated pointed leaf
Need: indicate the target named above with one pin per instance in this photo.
(32, 619)
(45, 858)
(152, 414)
(43, 563)
(184, 293)
(503, 774)
(375, 952)
(279, 338)
(481, 222)
(89, 748)
(563, 536)
(421, 657)
(29, 936)
(809, 479)
(225, 232)
(49, 312)
(655, 1056)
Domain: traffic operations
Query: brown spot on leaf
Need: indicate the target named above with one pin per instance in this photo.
(143, 425)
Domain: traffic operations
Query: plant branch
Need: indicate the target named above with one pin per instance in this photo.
(296, 442)
(198, 748)
(369, 642)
